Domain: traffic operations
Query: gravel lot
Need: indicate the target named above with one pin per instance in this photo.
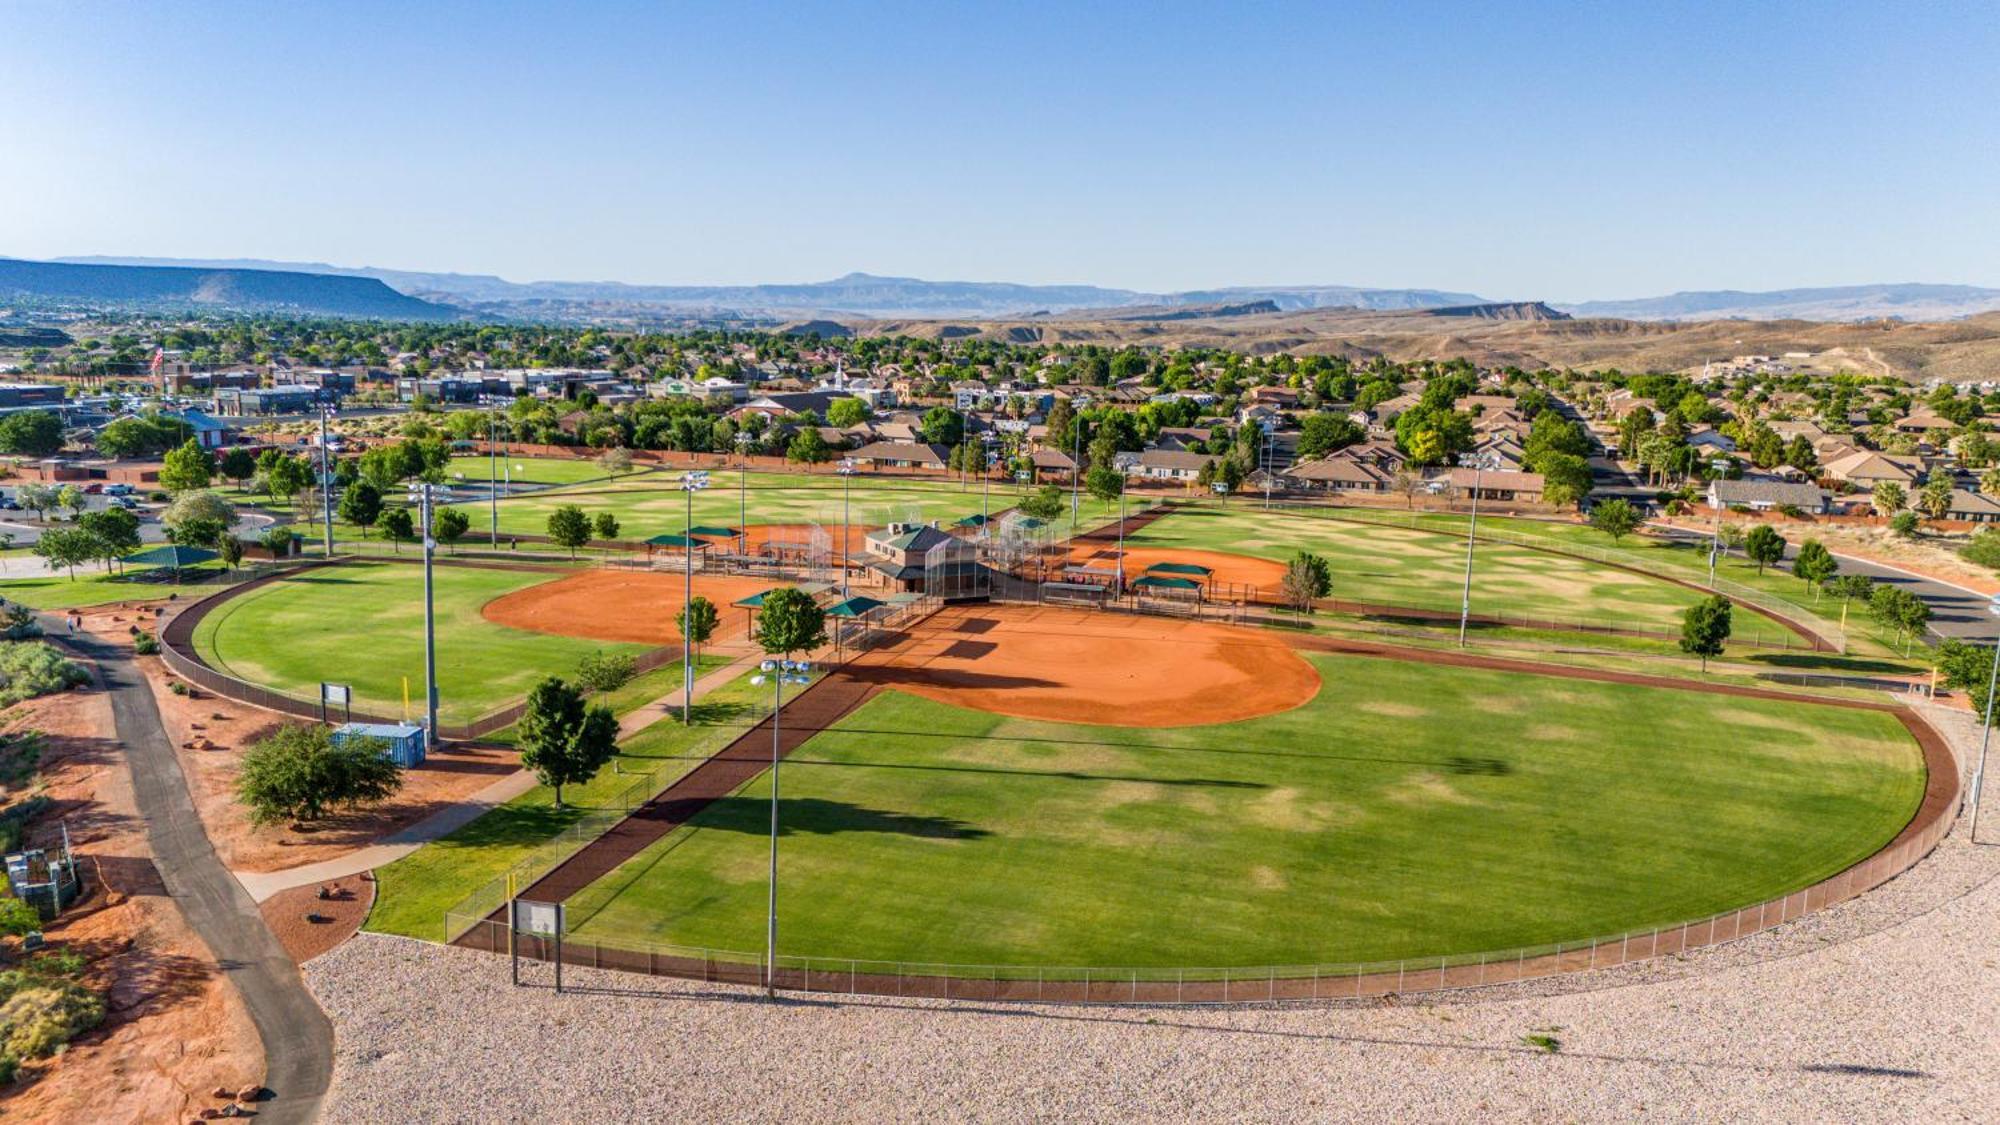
(1882, 1009)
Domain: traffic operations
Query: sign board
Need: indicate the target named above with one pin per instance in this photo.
(545, 918)
(334, 695)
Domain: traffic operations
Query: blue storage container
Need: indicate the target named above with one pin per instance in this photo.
(406, 740)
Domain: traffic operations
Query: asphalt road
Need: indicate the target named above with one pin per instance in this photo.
(298, 1038)
(1956, 613)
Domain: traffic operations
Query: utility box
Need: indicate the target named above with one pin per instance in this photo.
(405, 740)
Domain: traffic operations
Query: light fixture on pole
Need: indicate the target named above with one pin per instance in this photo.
(493, 473)
(992, 460)
(1478, 464)
(423, 495)
(743, 493)
(780, 673)
(846, 471)
(1120, 591)
(1986, 732)
(691, 483)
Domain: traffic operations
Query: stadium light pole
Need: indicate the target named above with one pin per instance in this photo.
(743, 494)
(421, 493)
(1121, 533)
(326, 478)
(493, 473)
(846, 471)
(691, 483)
(1986, 733)
(780, 672)
(1075, 469)
(1478, 466)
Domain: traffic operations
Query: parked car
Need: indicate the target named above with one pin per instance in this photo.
(93, 488)
(118, 490)
(125, 502)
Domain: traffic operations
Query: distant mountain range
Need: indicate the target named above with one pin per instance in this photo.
(249, 290)
(407, 294)
(1909, 301)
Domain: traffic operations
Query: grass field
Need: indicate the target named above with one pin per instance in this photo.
(653, 504)
(97, 588)
(1410, 810)
(362, 624)
(413, 893)
(475, 469)
(1422, 569)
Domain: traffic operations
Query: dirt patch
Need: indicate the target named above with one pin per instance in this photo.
(1106, 669)
(209, 734)
(628, 606)
(334, 918)
(1229, 574)
(175, 1028)
(788, 538)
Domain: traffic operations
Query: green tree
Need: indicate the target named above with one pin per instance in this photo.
(790, 622)
(845, 412)
(1705, 628)
(231, 550)
(1566, 478)
(1104, 482)
(284, 475)
(1045, 503)
(1323, 433)
(699, 619)
(361, 505)
(449, 525)
(1934, 500)
(808, 447)
(238, 464)
(1764, 546)
(398, 525)
(299, 774)
(1888, 498)
(1615, 518)
(32, 433)
(616, 461)
(943, 426)
(1815, 565)
(67, 547)
(605, 525)
(278, 541)
(117, 530)
(1900, 610)
(1307, 578)
(569, 527)
(188, 468)
(1967, 668)
(562, 740)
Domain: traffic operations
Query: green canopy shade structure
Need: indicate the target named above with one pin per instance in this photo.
(1155, 582)
(713, 532)
(1179, 568)
(681, 541)
(855, 606)
(976, 519)
(756, 601)
(172, 555)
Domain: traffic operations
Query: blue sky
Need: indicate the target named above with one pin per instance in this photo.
(1513, 150)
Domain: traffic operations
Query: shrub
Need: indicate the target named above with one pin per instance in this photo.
(32, 668)
(42, 1013)
(1984, 548)
(146, 644)
(177, 687)
(19, 624)
(604, 671)
(299, 774)
(1792, 511)
(1904, 523)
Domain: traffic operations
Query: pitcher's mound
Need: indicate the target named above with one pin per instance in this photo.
(1080, 666)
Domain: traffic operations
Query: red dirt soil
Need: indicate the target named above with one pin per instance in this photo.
(630, 606)
(1225, 569)
(1083, 666)
(757, 536)
(285, 912)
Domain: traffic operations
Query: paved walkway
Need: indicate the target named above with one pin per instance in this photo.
(297, 1037)
(669, 705)
(262, 885)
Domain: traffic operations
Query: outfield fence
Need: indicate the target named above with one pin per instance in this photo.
(596, 947)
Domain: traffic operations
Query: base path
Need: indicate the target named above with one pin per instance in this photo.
(298, 1039)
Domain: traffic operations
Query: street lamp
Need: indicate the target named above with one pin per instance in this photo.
(1986, 734)
(1478, 464)
(846, 471)
(423, 493)
(691, 483)
(780, 673)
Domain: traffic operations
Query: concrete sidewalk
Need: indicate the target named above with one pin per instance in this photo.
(668, 706)
(262, 885)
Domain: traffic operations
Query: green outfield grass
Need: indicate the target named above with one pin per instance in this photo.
(362, 624)
(475, 468)
(653, 504)
(1425, 570)
(413, 893)
(60, 592)
(1409, 811)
